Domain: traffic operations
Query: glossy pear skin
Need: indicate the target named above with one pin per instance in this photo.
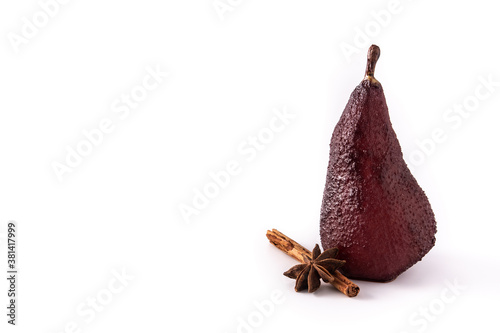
(373, 209)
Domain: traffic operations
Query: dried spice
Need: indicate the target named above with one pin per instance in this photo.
(322, 265)
(300, 253)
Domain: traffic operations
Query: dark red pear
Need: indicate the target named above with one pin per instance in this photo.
(373, 209)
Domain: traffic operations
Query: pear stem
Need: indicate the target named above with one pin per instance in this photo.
(373, 55)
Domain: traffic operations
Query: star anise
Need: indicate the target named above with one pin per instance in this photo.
(322, 265)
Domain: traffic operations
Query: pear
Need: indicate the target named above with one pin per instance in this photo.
(373, 209)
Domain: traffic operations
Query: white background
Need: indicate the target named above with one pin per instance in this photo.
(119, 208)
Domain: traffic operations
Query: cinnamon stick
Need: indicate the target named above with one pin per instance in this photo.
(297, 251)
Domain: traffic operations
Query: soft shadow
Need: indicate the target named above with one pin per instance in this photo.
(327, 290)
(431, 271)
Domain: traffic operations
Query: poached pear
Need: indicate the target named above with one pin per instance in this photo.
(373, 209)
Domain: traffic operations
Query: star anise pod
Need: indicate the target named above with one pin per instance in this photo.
(322, 265)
